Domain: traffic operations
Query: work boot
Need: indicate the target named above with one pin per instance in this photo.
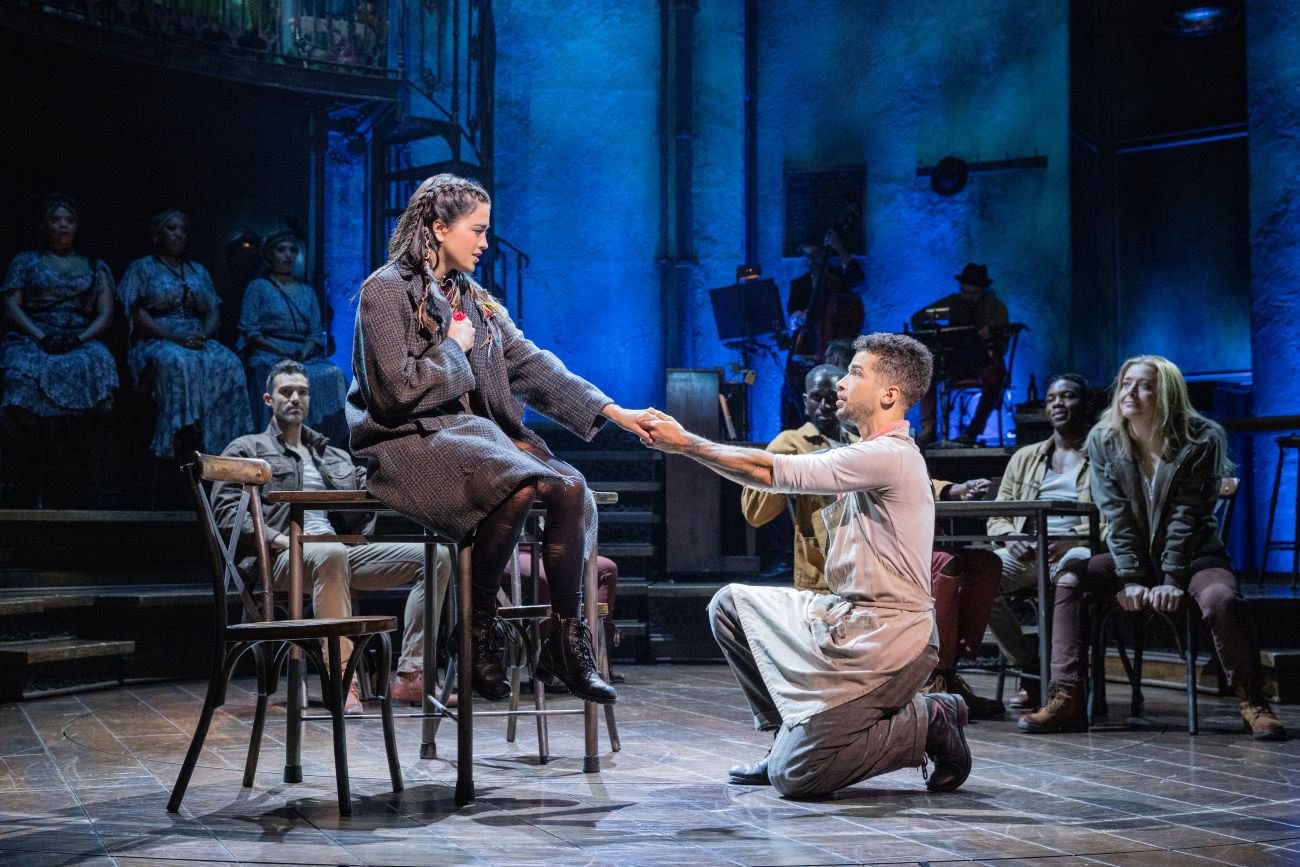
(1258, 715)
(1063, 712)
(751, 774)
(948, 680)
(945, 742)
(566, 655)
(486, 639)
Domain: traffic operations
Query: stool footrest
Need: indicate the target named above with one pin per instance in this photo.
(524, 612)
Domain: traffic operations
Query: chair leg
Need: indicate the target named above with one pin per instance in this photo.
(516, 665)
(259, 716)
(591, 730)
(1138, 703)
(386, 709)
(1001, 687)
(602, 665)
(211, 701)
(1189, 643)
(334, 689)
(465, 686)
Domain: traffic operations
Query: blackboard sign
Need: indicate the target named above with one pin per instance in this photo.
(820, 199)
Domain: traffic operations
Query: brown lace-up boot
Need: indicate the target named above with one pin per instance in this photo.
(1064, 711)
(949, 681)
(1258, 714)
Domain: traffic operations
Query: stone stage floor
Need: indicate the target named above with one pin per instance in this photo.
(84, 780)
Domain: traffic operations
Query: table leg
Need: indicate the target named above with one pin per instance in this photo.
(294, 703)
(464, 669)
(428, 747)
(591, 757)
(1044, 615)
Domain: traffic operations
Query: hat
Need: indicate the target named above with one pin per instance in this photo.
(974, 275)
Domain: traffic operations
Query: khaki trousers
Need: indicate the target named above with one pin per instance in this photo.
(335, 570)
(871, 735)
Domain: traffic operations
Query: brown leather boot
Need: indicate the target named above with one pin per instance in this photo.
(948, 680)
(1262, 723)
(1064, 711)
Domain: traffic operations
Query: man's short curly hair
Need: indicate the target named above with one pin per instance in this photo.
(901, 361)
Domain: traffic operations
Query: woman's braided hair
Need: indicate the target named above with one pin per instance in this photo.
(446, 198)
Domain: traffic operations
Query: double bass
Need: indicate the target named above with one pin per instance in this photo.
(831, 315)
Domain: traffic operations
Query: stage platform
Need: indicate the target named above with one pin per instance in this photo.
(84, 780)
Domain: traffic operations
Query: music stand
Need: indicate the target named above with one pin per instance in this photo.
(743, 312)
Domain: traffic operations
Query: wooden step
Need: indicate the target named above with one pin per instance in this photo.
(630, 518)
(615, 550)
(630, 487)
(157, 597)
(11, 605)
(47, 650)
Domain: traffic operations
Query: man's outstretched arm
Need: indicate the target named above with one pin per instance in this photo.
(744, 466)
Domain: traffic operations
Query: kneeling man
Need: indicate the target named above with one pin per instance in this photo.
(837, 676)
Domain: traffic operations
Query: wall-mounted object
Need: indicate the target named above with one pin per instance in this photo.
(949, 175)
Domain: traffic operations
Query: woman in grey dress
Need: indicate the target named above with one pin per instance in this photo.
(281, 318)
(59, 303)
(173, 313)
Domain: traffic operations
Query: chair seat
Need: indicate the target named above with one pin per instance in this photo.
(282, 630)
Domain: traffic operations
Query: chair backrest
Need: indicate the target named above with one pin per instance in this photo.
(1225, 505)
(249, 474)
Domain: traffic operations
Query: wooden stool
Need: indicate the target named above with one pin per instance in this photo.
(1271, 544)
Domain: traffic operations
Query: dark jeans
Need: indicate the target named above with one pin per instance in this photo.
(1213, 589)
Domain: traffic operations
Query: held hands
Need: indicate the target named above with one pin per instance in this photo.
(461, 330)
(1133, 597)
(630, 420)
(1021, 550)
(192, 341)
(59, 342)
(666, 433)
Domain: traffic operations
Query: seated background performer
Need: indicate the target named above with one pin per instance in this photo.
(975, 304)
(1055, 469)
(964, 583)
(839, 314)
(822, 430)
(836, 676)
(281, 318)
(172, 310)
(1156, 468)
(303, 460)
(439, 374)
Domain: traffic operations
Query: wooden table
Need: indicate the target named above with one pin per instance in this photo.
(1037, 512)
(360, 501)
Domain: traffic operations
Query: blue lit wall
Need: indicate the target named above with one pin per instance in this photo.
(577, 183)
(347, 233)
(885, 84)
(1274, 91)
(896, 85)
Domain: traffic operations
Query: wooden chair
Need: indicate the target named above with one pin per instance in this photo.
(270, 640)
(1185, 635)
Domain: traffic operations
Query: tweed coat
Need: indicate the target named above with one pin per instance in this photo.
(440, 423)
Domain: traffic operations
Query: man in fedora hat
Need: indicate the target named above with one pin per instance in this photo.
(974, 305)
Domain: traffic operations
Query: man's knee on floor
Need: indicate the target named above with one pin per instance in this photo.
(722, 605)
(795, 781)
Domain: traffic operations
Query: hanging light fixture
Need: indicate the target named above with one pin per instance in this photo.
(1201, 20)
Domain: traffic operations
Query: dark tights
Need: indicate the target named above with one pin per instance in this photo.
(563, 548)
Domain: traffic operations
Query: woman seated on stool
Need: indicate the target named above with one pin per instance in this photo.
(59, 303)
(281, 318)
(437, 365)
(1156, 465)
(172, 310)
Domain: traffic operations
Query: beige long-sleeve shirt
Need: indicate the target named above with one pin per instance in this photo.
(816, 652)
(761, 507)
